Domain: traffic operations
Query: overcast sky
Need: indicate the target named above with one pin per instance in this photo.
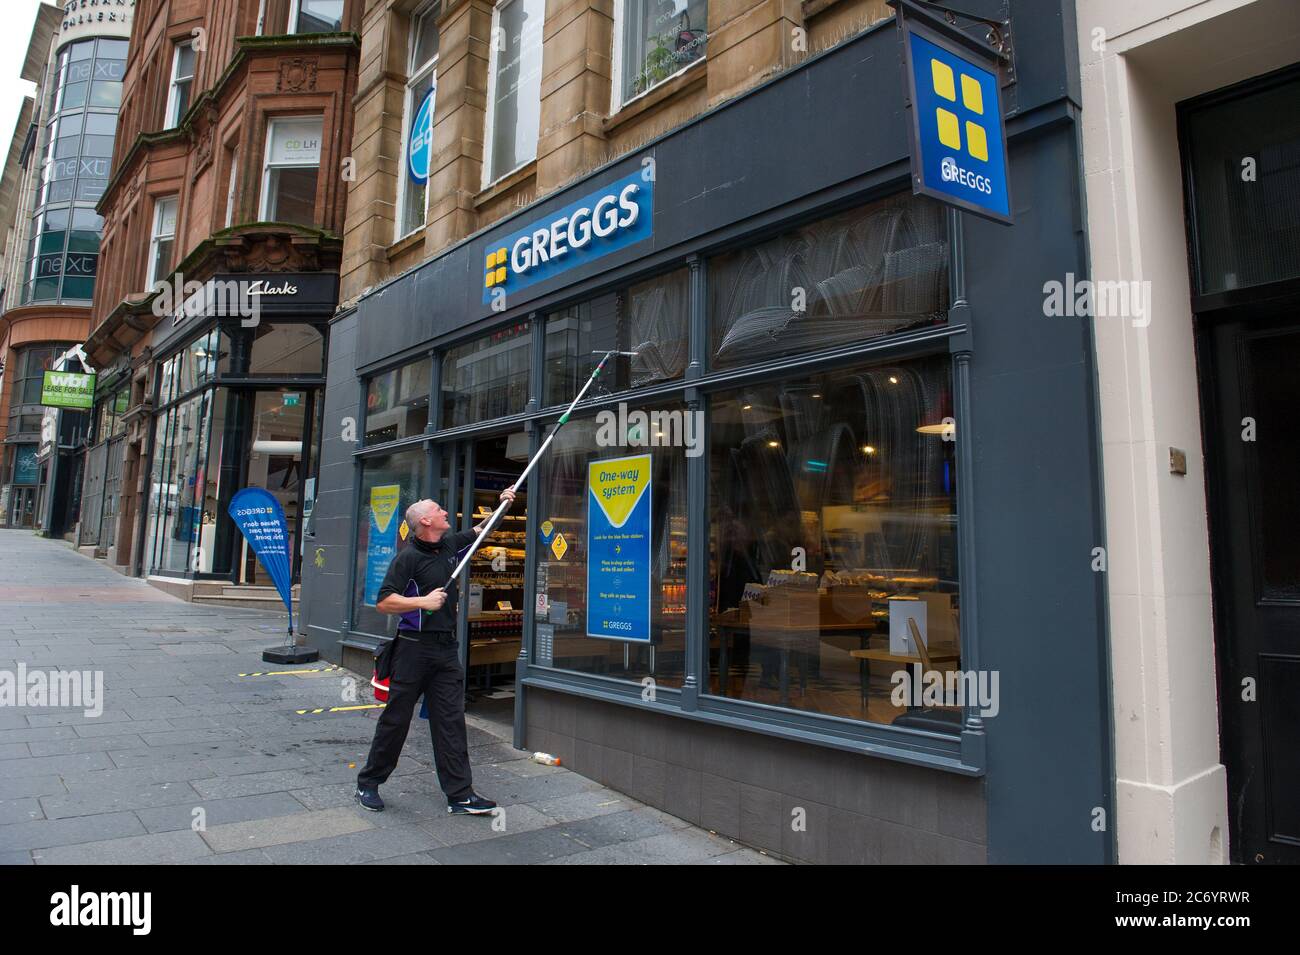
(15, 31)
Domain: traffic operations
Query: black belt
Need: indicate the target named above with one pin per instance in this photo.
(433, 636)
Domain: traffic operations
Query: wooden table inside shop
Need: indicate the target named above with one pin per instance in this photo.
(786, 637)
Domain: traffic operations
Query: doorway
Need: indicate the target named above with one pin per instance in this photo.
(1248, 364)
(491, 625)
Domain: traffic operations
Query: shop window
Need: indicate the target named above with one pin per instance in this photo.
(178, 97)
(486, 378)
(161, 240)
(651, 606)
(657, 39)
(862, 274)
(417, 122)
(397, 402)
(649, 318)
(514, 87)
(287, 348)
(291, 170)
(273, 349)
(315, 16)
(390, 483)
(31, 363)
(833, 521)
(180, 517)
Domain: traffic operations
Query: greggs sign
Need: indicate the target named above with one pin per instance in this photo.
(604, 221)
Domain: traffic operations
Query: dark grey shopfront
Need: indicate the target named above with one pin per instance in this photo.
(236, 404)
(885, 415)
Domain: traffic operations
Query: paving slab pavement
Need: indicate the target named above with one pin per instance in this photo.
(183, 760)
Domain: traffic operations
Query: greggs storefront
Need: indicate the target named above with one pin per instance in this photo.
(817, 538)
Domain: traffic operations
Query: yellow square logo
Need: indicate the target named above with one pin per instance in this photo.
(495, 268)
(972, 97)
(941, 76)
(949, 133)
(976, 142)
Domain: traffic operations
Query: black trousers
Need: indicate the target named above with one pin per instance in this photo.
(432, 669)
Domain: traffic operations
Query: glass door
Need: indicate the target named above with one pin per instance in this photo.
(278, 442)
(492, 591)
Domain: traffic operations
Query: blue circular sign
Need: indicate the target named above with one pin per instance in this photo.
(420, 145)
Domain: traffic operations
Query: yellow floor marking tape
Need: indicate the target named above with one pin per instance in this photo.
(291, 672)
(342, 709)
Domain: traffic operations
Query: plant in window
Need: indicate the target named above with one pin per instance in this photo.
(671, 52)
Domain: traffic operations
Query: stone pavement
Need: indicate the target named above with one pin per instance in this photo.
(184, 737)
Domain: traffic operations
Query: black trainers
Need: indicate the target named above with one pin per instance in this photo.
(368, 797)
(473, 805)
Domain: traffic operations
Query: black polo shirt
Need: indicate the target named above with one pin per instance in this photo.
(429, 565)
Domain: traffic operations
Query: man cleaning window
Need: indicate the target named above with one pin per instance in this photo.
(419, 585)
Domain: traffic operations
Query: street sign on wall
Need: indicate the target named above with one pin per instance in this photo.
(958, 135)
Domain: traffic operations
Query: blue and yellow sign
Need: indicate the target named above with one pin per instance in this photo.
(381, 542)
(618, 548)
(604, 221)
(959, 147)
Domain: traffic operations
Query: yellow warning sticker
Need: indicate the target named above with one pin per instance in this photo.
(403, 529)
(559, 547)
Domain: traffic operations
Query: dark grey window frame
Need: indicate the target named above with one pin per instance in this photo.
(962, 754)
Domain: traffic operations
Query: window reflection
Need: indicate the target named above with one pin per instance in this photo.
(868, 272)
(486, 378)
(397, 402)
(832, 520)
(649, 318)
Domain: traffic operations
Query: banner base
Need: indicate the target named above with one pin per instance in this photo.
(290, 655)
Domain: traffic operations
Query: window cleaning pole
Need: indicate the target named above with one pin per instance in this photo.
(564, 419)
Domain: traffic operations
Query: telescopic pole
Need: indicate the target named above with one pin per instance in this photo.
(501, 508)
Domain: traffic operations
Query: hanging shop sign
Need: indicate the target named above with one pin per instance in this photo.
(618, 548)
(68, 389)
(381, 543)
(260, 518)
(599, 223)
(958, 136)
(419, 147)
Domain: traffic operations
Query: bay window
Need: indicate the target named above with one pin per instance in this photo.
(162, 239)
(291, 170)
(178, 96)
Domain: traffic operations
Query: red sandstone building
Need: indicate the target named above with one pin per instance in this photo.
(229, 166)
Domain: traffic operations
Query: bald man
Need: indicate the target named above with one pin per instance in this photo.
(426, 660)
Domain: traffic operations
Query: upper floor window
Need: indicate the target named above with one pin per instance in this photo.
(514, 87)
(413, 179)
(315, 16)
(161, 240)
(291, 170)
(656, 39)
(178, 96)
(232, 160)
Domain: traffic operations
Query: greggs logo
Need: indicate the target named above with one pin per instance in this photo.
(604, 221)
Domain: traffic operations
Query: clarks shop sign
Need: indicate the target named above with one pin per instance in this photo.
(246, 295)
(604, 221)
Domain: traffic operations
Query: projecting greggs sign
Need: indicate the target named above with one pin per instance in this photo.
(602, 222)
